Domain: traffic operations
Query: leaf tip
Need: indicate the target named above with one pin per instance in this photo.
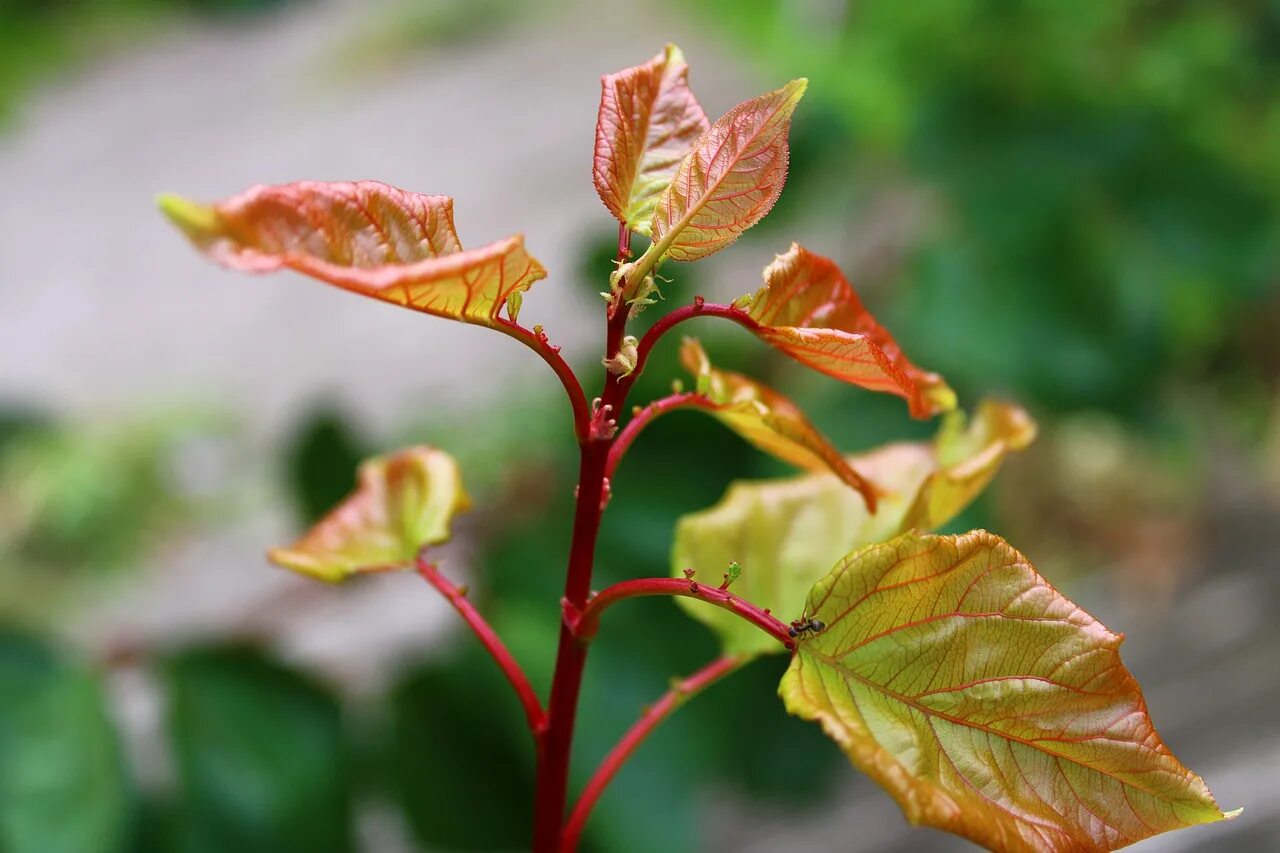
(1233, 814)
(189, 216)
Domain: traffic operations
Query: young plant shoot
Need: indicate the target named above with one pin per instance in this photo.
(945, 667)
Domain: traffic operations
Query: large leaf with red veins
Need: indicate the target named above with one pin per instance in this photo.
(786, 533)
(808, 310)
(767, 420)
(730, 179)
(648, 121)
(402, 502)
(366, 237)
(985, 702)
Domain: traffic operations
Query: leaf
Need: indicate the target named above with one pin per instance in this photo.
(786, 533)
(260, 754)
(648, 121)
(730, 179)
(767, 420)
(403, 501)
(808, 310)
(985, 702)
(58, 751)
(366, 237)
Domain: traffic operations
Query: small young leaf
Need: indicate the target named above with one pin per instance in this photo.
(366, 237)
(648, 121)
(787, 533)
(402, 502)
(767, 420)
(730, 179)
(808, 310)
(985, 702)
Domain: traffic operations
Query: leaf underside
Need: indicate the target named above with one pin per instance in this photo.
(730, 179)
(403, 502)
(648, 121)
(985, 702)
(366, 237)
(810, 311)
(786, 533)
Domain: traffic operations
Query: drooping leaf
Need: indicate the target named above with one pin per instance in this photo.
(648, 121)
(786, 533)
(730, 179)
(808, 310)
(767, 420)
(985, 702)
(402, 502)
(366, 237)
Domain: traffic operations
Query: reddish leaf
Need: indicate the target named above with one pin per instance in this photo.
(985, 702)
(402, 502)
(366, 237)
(767, 420)
(809, 311)
(649, 119)
(730, 179)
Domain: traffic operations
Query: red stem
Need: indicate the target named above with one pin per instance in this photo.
(643, 418)
(654, 714)
(699, 308)
(584, 621)
(490, 640)
(538, 342)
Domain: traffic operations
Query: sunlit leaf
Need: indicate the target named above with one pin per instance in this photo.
(648, 121)
(366, 237)
(985, 702)
(808, 310)
(730, 179)
(786, 533)
(402, 502)
(767, 419)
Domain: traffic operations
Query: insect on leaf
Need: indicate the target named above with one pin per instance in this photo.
(767, 420)
(730, 179)
(366, 237)
(808, 310)
(985, 702)
(402, 502)
(786, 533)
(648, 121)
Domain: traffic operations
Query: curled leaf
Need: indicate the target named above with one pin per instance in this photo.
(402, 502)
(730, 179)
(366, 237)
(767, 420)
(985, 702)
(808, 310)
(786, 533)
(648, 121)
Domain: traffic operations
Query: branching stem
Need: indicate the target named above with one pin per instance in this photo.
(643, 418)
(699, 308)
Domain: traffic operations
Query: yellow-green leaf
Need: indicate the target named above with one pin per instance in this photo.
(786, 533)
(767, 420)
(402, 502)
(648, 121)
(366, 237)
(810, 311)
(730, 179)
(985, 702)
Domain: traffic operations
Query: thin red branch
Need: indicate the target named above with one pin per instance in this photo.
(536, 340)
(680, 692)
(699, 308)
(640, 420)
(585, 621)
(456, 596)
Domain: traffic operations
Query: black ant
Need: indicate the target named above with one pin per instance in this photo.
(805, 627)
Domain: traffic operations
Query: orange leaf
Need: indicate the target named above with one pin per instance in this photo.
(808, 310)
(402, 502)
(365, 237)
(648, 121)
(985, 702)
(730, 179)
(767, 420)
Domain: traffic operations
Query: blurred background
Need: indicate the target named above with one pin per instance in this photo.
(1073, 205)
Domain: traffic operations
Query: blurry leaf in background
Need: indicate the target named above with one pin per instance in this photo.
(261, 754)
(63, 787)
